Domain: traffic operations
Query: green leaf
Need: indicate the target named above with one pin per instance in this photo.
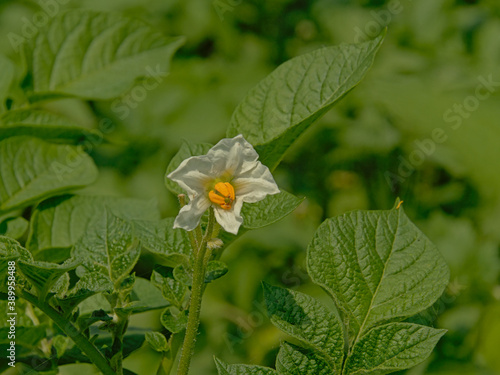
(60, 343)
(173, 319)
(284, 104)
(157, 341)
(97, 316)
(307, 320)
(172, 290)
(58, 223)
(377, 266)
(186, 151)
(14, 227)
(144, 297)
(89, 284)
(170, 246)
(33, 170)
(392, 347)
(225, 369)
(6, 78)
(61, 286)
(46, 125)
(10, 251)
(269, 210)
(183, 275)
(43, 275)
(293, 360)
(96, 55)
(109, 248)
(215, 270)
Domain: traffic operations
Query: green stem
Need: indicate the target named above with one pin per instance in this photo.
(195, 300)
(168, 360)
(72, 332)
(117, 347)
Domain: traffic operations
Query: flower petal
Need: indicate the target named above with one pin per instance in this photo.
(193, 173)
(255, 185)
(230, 220)
(236, 155)
(189, 216)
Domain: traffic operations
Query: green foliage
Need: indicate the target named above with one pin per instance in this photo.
(283, 105)
(34, 170)
(45, 125)
(170, 246)
(225, 369)
(58, 223)
(379, 269)
(108, 248)
(95, 55)
(14, 227)
(157, 341)
(43, 276)
(269, 210)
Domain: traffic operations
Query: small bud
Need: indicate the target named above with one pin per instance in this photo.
(214, 243)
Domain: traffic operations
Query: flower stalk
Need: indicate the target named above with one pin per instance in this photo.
(199, 269)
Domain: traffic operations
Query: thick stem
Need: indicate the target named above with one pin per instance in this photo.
(117, 347)
(72, 332)
(195, 300)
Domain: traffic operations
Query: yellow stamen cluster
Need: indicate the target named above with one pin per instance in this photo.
(223, 195)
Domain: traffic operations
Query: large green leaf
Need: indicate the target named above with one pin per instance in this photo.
(293, 360)
(307, 320)
(284, 104)
(46, 125)
(108, 248)
(58, 223)
(96, 55)
(33, 170)
(225, 369)
(392, 347)
(377, 265)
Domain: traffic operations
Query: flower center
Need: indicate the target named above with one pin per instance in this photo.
(222, 194)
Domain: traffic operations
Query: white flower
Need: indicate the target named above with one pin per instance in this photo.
(228, 175)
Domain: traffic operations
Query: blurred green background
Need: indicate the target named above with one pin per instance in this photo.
(437, 75)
